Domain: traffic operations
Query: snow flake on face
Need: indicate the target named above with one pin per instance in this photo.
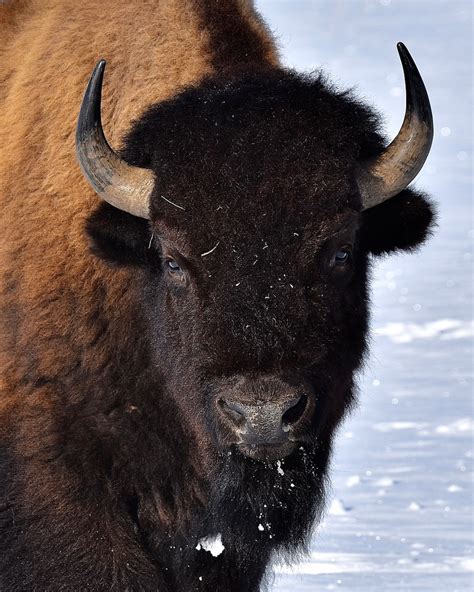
(212, 544)
(279, 469)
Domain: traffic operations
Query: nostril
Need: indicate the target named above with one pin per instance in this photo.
(295, 412)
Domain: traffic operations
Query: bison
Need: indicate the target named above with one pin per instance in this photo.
(176, 356)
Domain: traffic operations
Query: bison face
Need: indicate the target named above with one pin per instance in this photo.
(256, 254)
(256, 326)
(263, 327)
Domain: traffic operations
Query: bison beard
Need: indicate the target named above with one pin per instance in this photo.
(116, 458)
(255, 509)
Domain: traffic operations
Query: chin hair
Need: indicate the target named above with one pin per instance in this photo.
(274, 504)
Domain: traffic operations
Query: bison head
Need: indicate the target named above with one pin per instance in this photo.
(253, 203)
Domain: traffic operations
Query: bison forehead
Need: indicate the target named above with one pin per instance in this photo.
(273, 142)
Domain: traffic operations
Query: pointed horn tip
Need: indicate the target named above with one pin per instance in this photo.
(414, 84)
(401, 47)
(97, 75)
(89, 113)
(403, 52)
(405, 57)
(100, 65)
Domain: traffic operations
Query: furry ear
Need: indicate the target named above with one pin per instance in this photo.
(401, 223)
(118, 237)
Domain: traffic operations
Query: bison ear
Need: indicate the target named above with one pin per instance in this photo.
(401, 223)
(118, 237)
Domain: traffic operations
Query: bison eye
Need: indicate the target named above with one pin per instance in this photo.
(175, 271)
(342, 257)
(173, 266)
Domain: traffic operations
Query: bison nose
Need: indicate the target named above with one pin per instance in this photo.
(265, 422)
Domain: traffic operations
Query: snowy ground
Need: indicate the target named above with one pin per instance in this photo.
(402, 481)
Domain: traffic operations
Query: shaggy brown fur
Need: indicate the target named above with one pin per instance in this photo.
(113, 462)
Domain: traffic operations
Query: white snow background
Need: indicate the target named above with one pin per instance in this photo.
(402, 518)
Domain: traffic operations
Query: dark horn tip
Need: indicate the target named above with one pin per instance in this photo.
(416, 95)
(94, 88)
(99, 68)
(89, 115)
(402, 48)
(408, 62)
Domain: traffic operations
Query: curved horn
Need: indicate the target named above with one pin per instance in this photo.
(397, 166)
(124, 186)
